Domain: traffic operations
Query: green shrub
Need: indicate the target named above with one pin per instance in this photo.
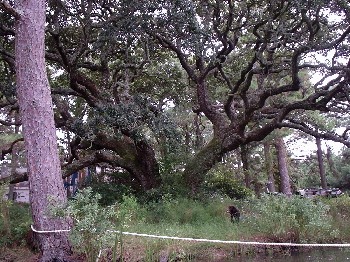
(110, 193)
(294, 219)
(185, 211)
(227, 187)
(96, 227)
(15, 221)
(20, 220)
(339, 210)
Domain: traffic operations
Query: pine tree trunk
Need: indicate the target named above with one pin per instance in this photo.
(33, 91)
(283, 166)
(320, 163)
(271, 180)
(245, 165)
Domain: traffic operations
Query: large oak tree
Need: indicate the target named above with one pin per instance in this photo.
(260, 51)
(241, 64)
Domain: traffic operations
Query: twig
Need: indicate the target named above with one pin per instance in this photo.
(4, 5)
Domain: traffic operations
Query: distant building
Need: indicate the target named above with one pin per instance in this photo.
(20, 192)
(77, 181)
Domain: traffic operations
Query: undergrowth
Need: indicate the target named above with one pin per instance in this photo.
(269, 218)
(15, 221)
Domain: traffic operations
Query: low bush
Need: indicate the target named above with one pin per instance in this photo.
(289, 219)
(185, 211)
(339, 210)
(14, 223)
(268, 219)
(228, 187)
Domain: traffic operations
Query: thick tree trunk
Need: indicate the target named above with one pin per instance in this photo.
(137, 157)
(44, 173)
(283, 166)
(203, 161)
(146, 167)
(320, 163)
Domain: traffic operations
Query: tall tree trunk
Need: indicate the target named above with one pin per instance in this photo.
(44, 173)
(320, 163)
(283, 166)
(245, 165)
(331, 163)
(271, 180)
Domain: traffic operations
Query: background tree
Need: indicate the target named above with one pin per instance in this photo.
(321, 163)
(273, 39)
(285, 186)
(271, 186)
(116, 68)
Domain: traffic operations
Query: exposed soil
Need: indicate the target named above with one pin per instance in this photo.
(18, 254)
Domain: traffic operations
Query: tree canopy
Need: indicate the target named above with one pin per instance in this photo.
(121, 71)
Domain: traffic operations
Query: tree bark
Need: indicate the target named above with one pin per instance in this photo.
(321, 163)
(271, 180)
(283, 166)
(147, 168)
(33, 91)
(203, 161)
(245, 165)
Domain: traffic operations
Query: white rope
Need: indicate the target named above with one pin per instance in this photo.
(233, 242)
(48, 231)
(210, 240)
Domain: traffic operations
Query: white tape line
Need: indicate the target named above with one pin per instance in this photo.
(49, 231)
(234, 242)
(209, 240)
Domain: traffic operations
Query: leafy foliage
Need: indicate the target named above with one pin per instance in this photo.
(290, 219)
(15, 221)
(227, 187)
(128, 79)
(96, 227)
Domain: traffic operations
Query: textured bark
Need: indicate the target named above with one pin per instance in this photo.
(147, 169)
(245, 165)
(283, 166)
(33, 91)
(201, 163)
(138, 158)
(271, 180)
(321, 163)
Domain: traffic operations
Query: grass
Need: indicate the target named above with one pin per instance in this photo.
(268, 219)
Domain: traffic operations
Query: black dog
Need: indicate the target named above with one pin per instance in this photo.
(234, 212)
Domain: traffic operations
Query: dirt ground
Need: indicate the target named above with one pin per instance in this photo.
(17, 255)
(23, 254)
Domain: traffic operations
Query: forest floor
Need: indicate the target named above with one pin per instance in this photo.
(135, 251)
(18, 254)
(270, 219)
